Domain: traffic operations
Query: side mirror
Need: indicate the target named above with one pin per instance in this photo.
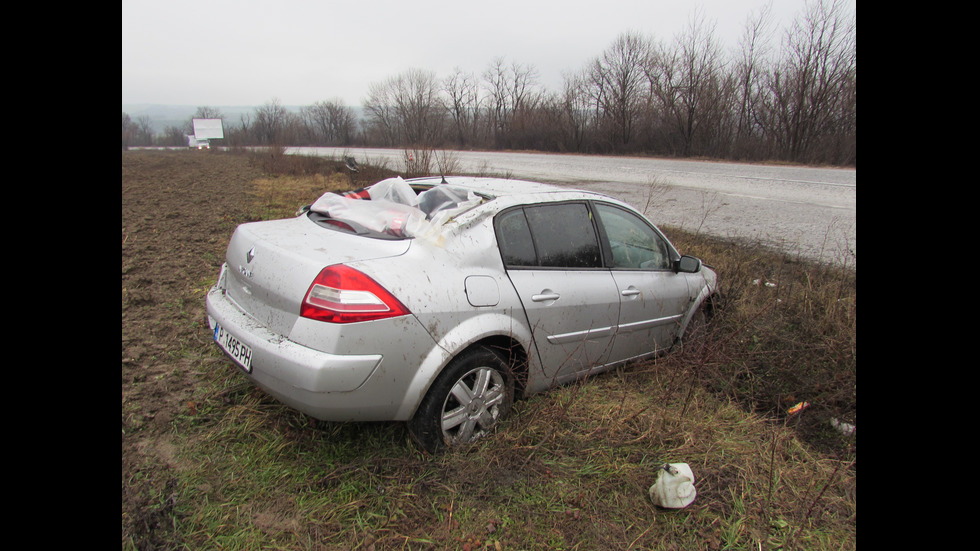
(688, 264)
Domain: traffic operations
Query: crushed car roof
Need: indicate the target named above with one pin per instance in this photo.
(419, 207)
(490, 187)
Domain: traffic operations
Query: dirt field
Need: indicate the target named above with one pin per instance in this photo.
(177, 215)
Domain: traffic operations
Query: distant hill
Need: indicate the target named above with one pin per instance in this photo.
(162, 116)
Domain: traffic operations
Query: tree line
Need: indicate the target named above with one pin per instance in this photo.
(784, 96)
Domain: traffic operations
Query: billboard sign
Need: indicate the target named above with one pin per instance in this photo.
(208, 129)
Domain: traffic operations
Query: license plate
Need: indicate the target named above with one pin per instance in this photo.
(239, 351)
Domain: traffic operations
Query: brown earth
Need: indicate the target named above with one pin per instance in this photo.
(178, 211)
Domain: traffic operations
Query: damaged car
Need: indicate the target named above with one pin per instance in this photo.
(439, 301)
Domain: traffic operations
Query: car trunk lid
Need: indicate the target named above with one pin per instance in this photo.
(271, 264)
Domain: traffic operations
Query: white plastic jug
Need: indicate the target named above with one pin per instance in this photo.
(674, 488)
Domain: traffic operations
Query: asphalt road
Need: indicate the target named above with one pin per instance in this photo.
(811, 212)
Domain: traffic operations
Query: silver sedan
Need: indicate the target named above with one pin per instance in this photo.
(439, 301)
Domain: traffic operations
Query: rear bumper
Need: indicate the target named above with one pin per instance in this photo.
(332, 387)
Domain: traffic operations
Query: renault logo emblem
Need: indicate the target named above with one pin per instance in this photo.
(250, 255)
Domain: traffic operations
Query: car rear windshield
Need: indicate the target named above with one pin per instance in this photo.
(391, 209)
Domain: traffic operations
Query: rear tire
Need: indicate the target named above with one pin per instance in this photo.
(466, 402)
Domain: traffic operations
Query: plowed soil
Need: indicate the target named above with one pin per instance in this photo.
(178, 211)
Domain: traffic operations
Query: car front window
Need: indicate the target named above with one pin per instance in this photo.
(634, 244)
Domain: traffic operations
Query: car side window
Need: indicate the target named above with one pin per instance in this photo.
(514, 237)
(635, 245)
(550, 236)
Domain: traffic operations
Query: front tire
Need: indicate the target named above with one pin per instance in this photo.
(466, 402)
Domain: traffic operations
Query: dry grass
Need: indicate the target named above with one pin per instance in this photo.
(279, 196)
(786, 333)
(570, 470)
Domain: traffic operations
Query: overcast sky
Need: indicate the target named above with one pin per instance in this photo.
(249, 52)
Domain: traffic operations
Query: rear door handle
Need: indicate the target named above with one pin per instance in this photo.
(631, 292)
(545, 297)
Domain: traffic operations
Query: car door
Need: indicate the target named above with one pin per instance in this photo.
(554, 260)
(653, 297)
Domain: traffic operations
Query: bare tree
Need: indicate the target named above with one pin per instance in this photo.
(174, 136)
(498, 109)
(128, 131)
(526, 97)
(568, 113)
(241, 133)
(343, 122)
(751, 58)
(271, 122)
(329, 123)
(689, 83)
(463, 105)
(512, 95)
(379, 107)
(811, 92)
(144, 130)
(522, 87)
(616, 80)
(138, 132)
(207, 112)
(406, 109)
(419, 107)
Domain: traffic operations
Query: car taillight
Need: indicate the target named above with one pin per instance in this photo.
(341, 294)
